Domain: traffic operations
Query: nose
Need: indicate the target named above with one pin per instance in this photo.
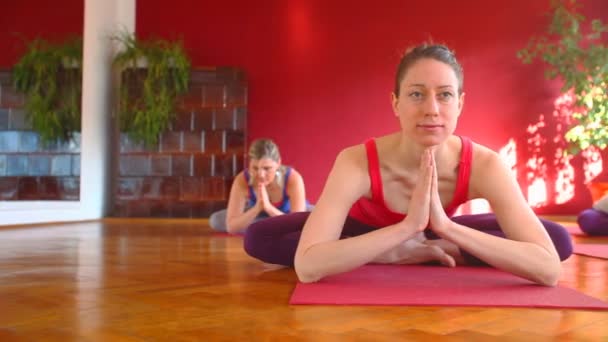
(431, 106)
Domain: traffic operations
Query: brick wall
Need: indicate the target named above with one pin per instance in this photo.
(29, 171)
(188, 174)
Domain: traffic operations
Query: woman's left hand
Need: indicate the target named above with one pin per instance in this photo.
(263, 197)
(439, 221)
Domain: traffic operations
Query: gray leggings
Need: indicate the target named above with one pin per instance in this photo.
(217, 220)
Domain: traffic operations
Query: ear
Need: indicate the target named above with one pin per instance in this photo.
(460, 103)
(395, 103)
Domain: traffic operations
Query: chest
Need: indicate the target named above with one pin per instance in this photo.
(399, 187)
(275, 193)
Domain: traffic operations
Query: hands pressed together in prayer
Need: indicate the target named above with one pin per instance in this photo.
(263, 200)
(425, 212)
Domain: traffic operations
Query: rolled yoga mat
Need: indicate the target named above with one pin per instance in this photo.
(420, 285)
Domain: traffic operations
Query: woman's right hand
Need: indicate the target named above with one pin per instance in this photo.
(263, 200)
(415, 251)
(418, 212)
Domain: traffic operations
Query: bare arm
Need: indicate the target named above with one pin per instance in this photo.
(237, 218)
(296, 191)
(320, 251)
(527, 250)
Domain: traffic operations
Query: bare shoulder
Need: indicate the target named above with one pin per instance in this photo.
(295, 177)
(294, 173)
(487, 169)
(240, 181)
(348, 178)
(352, 159)
(483, 156)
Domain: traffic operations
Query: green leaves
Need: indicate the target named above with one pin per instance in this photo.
(50, 77)
(154, 73)
(577, 53)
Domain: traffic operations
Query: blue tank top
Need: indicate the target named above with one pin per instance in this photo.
(284, 205)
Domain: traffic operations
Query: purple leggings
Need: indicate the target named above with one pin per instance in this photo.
(274, 240)
(593, 222)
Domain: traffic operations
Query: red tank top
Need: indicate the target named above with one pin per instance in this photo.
(374, 211)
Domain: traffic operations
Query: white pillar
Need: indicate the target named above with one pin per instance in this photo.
(102, 19)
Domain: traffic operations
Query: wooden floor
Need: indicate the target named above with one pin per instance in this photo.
(175, 280)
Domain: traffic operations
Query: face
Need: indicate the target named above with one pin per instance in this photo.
(263, 170)
(428, 104)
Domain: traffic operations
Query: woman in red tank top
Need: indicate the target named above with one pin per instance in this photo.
(390, 200)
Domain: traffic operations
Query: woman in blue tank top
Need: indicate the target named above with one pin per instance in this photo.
(265, 189)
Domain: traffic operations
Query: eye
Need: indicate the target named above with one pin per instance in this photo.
(416, 95)
(446, 96)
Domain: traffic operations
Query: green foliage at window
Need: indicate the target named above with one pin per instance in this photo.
(50, 77)
(154, 73)
(575, 50)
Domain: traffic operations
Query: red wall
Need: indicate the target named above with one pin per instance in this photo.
(25, 20)
(320, 72)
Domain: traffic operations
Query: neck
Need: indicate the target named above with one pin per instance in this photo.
(410, 151)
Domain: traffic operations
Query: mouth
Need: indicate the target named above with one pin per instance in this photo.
(429, 126)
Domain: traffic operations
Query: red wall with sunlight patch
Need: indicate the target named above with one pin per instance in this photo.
(320, 72)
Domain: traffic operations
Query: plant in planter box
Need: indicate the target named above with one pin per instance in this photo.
(576, 51)
(153, 74)
(50, 77)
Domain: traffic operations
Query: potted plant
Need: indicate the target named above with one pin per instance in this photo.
(50, 77)
(575, 50)
(153, 73)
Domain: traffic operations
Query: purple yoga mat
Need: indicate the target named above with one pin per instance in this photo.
(592, 249)
(418, 285)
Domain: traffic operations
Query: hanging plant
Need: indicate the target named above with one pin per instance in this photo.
(50, 77)
(153, 73)
(576, 52)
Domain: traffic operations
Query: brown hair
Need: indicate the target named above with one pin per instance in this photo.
(437, 52)
(264, 148)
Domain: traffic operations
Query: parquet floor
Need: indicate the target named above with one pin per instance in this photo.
(175, 280)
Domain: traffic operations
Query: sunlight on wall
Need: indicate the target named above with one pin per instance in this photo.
(508, 154)
(564, 180)
(536, 165)
(476, 206)
(564, 184)
(592, 166)
(537, 193)
(543, 171)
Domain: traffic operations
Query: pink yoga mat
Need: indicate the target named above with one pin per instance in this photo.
(573, 229)
(593, 250)
(419, 285)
